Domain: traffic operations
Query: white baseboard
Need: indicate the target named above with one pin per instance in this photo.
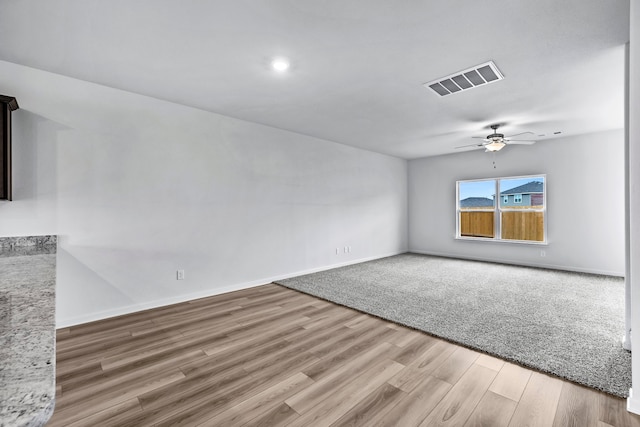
(119, 311)
(633, 404)
(524, 264)
(128, 309)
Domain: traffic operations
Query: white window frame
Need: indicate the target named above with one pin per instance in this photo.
(498, 209)
(517, 198)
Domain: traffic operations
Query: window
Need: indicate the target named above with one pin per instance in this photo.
(519, 216)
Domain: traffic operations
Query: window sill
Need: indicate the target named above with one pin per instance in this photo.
(488, 239)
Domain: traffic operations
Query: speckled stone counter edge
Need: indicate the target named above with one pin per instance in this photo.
(26, 241)
(15, 411)
(27, 245)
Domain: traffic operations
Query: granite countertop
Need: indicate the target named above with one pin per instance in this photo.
(27, 330)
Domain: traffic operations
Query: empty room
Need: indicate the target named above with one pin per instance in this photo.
(319, 213)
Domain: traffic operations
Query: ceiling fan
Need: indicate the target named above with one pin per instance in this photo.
(496, 141)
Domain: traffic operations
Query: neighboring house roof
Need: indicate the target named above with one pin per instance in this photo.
(529, 187)
(476, 202)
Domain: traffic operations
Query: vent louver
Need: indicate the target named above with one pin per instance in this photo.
(466, 79)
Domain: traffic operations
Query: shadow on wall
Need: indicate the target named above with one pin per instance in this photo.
(96, 282)
(35, 161)
(79, 286)
(35, 154)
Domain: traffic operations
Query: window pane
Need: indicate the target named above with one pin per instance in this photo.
(521, 203)
(476, 195)
(477, 224)
(522, 193)
(523, 225)
(476, 203)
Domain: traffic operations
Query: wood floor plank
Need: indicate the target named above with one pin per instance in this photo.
(345, 396)
(72, 372)
(455, 365)
(339, 317)
(419, 403)
(325, 387)
(184, 401)
(241, 324)
(577, 407)
(80, 342)
(244, 339)
(360, 345)
(373, 407)
(260, 403)
(70, 411)
(201, 379)
(457, 405)
(538, 404)
(511, 381)
(114, 416)
(129, 373)
(200, 408)
(151, 352)
(359, 321)
(492, 410)
(612, 410)
(418, 344)
(112, 387)
(240, 358)
(280, 357)
(200, 397)
(490, 362)
(281, 415)
(119, 348)
(423, 365)
(352, 338)
(404, 336)
(183, 322)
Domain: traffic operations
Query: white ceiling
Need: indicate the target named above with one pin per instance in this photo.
(357, 66)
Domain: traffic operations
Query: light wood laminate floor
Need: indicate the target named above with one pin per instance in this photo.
(270, 356)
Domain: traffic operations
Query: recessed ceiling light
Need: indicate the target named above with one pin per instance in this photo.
(280, 64)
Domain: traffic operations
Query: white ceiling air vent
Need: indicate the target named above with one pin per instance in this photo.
(467, 79)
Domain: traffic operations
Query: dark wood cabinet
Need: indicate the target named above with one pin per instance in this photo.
(8, 104)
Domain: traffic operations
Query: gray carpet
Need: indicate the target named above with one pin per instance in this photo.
(567, 324)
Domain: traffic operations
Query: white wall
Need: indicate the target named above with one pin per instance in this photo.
(138, 188)
(633, 403)
(585, 203)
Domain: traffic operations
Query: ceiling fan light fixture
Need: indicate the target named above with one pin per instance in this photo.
(495, 146)
(280, 64)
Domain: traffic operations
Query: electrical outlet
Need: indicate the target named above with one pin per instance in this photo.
(337, 251)
(543, 253)
(180, 275)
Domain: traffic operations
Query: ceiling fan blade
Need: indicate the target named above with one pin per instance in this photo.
(518, 134)
(470, 145)
(519, 142)
(480, 137)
